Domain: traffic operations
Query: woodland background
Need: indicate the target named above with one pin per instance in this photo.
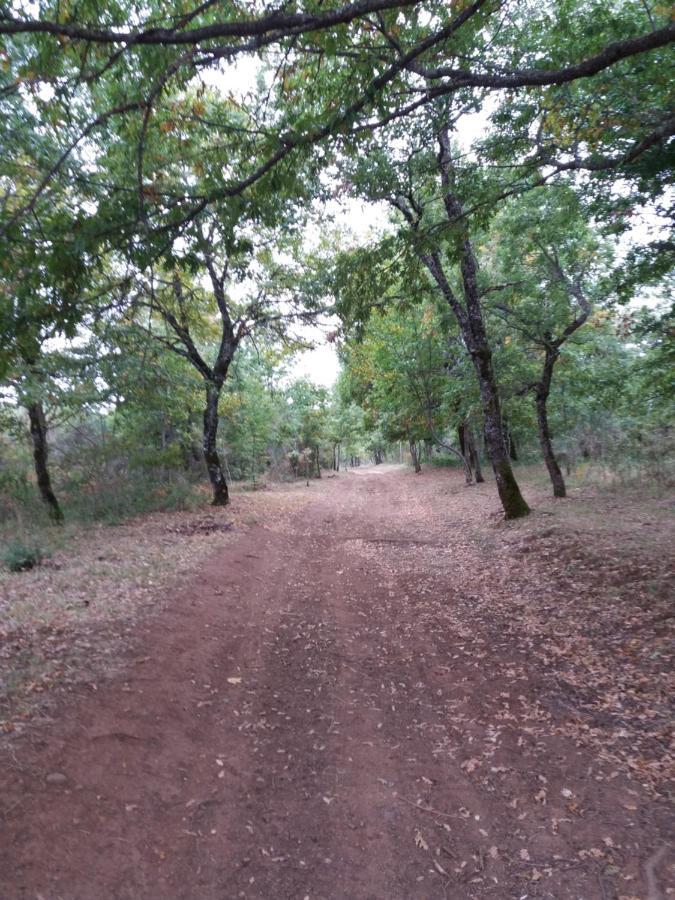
(169, 180)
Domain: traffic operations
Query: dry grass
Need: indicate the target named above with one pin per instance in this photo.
(66, 621)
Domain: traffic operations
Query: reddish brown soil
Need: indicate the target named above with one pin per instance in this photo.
(341, 705)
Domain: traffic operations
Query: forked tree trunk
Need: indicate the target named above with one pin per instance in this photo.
(469, 454)
(38, 432)
(214, 466)
(551, 354)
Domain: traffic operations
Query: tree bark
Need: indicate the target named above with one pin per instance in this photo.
(462, 432)
(543, 390)
(221, 496)
(510, 442)
(474, 458)
(551, 353)
(472, 326)
(469, 316)
(513, 502)
(38, 432)
(414, 455)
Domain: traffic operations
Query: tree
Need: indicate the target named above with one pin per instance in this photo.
(253, 408)
(553, 270)
(42, 298)
(370, 62)
(399, 372)
(129, 169)
(309, 405)
(192, 316)
(345, 425)
(406, 184)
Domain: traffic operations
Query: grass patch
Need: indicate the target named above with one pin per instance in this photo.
(20, 555)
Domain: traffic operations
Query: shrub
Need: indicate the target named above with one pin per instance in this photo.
(19, 556)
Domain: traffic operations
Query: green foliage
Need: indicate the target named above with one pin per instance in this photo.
(253, 424)
(152, 216)
(20, 556)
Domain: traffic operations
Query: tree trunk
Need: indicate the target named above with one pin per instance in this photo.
(214, 467)
(474, 458)
(469, 316)
(460, 438)
(414, 455)
(38, 432)
(543, 390)
(513, 502)
(318, 462)
(510, 443)
(462, 433)
(472, 326)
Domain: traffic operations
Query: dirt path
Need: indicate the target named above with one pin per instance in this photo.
(323, 715)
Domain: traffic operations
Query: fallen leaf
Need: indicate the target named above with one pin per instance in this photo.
(419, 840)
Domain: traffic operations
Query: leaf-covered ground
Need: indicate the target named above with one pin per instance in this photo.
(371, 688)
(67, 620)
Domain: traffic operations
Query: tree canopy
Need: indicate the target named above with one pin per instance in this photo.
(166, 179)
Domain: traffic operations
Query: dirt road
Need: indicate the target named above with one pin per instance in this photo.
(331, 710)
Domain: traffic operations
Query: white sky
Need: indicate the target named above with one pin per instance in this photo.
(360, 222)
